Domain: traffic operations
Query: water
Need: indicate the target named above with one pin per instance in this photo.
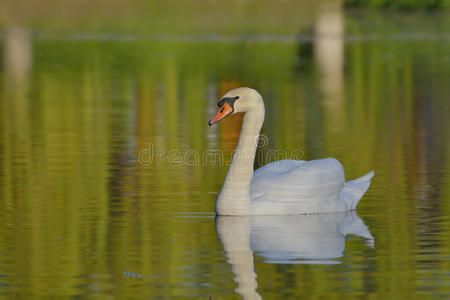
(105, 189)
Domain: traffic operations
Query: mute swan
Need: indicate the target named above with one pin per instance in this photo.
(285, 187)
(307, 239)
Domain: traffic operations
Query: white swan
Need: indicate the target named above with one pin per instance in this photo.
(285, 187)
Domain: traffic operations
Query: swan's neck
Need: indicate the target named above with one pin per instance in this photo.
(234, 198)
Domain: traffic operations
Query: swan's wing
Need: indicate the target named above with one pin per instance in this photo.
(297, 178)
(270, 174)
(293, 187)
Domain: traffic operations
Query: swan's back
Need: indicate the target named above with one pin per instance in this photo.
(297, 186)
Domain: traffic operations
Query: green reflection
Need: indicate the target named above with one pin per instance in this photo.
(81, 215)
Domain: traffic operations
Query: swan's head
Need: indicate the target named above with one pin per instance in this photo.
(239, 100)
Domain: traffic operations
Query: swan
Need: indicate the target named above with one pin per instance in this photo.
(285, 187)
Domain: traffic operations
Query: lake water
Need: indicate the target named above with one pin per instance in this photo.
(107, 189)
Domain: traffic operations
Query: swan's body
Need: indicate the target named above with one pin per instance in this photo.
(299, 186)
(285, 187)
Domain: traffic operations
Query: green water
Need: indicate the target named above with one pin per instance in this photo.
(84, 213)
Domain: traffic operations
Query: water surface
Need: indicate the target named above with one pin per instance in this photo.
(92, 203)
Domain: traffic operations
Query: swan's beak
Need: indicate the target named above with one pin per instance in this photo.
(224, 111)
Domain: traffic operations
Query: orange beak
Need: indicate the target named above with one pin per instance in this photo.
(224, 111)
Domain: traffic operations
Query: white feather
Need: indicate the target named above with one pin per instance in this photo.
(285, 187)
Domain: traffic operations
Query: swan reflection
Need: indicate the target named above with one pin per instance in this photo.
(304, 239)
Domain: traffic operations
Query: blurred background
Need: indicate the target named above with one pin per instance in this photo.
(88, 85)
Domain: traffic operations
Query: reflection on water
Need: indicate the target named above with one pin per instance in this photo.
(80, 215)
(313, 239)
(305, 239)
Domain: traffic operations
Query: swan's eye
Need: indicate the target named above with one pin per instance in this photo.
(237, 97)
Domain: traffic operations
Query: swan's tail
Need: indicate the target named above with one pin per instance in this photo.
(354, 189)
